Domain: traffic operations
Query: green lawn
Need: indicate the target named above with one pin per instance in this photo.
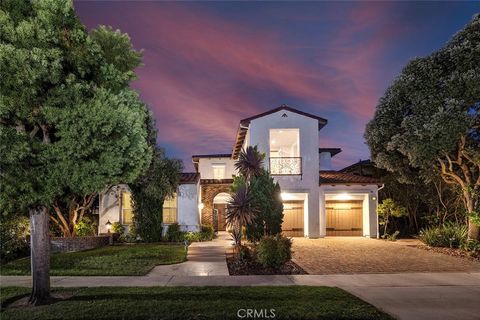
(296, 302)
(117, 260)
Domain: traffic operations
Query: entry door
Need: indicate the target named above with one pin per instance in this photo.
(292, 225)
(344, 218)
(220, 210)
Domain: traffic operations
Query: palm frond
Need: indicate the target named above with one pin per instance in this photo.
(250, 162)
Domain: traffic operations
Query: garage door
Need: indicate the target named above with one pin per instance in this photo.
(292, 225)
(344, 218)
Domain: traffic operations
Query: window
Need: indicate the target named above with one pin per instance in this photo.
(285, 152)
(170, 210)
(126, 208)
(218, 171)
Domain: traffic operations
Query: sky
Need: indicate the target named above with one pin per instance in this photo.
(207, 65)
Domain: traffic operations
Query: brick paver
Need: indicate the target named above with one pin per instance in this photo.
(348, 255)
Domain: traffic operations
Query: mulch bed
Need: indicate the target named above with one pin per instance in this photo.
(252, 267)
(450, 251)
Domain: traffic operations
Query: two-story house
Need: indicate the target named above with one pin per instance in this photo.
(318, 201)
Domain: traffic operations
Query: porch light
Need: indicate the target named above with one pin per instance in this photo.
(109, 226)
(201, 206)
(374, 198)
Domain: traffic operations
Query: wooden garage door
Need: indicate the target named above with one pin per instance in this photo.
(292, 225)
(344, 218)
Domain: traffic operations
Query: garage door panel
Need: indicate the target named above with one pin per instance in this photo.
(292, 225)
(344, 218)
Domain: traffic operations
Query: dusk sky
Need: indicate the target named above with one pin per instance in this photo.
(209, 64)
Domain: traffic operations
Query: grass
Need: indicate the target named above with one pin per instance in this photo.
(297, 302)
(117, 260)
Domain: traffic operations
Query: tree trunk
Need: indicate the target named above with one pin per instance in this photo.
(473, 229)
(40, 255)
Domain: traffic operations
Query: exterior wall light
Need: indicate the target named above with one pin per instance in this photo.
(109, 226)
(374, 198)
(201, 206)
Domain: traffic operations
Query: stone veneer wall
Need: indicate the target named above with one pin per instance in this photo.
(61, 244)
(209, 191)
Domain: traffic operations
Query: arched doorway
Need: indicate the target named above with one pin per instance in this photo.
(220, 202)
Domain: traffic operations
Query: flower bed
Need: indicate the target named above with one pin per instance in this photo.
(252, 267)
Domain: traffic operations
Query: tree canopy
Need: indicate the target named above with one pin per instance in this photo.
(428, 121)
(69, 124)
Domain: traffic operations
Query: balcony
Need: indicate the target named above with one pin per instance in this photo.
(286, 166)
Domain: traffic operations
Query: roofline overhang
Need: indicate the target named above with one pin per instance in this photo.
(245, 124)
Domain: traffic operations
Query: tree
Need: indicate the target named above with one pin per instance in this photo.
(240, 209)
(266, 197)
(149, 192)
(388, 209)
(428, 120)
(250, 163)
(69, 125)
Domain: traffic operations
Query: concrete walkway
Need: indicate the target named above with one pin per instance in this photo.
(421, 296)
(204, 259)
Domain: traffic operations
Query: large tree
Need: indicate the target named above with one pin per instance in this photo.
(149, 190)
(69, 124)
(428, 121)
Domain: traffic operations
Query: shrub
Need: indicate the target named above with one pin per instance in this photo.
(85, 227)
(14, 238)
(472, 247)
(174, 234)
(207, 232)
(117, 227)
(274, 251)
(193, 237)
(450, 234)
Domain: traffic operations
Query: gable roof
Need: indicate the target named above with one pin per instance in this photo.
(321, 121)
(244, 123)
(336, 177)
(189, 177)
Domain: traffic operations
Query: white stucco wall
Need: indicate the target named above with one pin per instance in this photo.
(109, 208)
(259, 133)
(325, 161)
(369, 196)
(188, 215)
(205, 167)
(187, 207)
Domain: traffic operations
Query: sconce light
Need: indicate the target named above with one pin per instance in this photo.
(109, 226)
(201, 206)
(374, 198)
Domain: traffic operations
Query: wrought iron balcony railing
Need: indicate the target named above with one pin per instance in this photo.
(286, 166)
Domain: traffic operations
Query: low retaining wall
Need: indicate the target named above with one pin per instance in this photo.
(61, 244)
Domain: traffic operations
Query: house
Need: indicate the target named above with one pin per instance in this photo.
(318, 201)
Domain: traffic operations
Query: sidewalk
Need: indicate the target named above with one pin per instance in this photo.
(409, 296)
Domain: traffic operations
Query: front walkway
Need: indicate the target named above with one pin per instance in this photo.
(411, 296)
(203, 259)
(353, 255)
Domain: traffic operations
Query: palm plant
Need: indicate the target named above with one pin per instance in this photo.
(240, 209)
(250, 162)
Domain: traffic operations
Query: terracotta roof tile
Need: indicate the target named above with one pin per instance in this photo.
(335, 177)
(189, 177)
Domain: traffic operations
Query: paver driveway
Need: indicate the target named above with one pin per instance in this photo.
(347, 255)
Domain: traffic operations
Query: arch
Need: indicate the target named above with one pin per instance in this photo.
(209, 192)
(222, 197)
